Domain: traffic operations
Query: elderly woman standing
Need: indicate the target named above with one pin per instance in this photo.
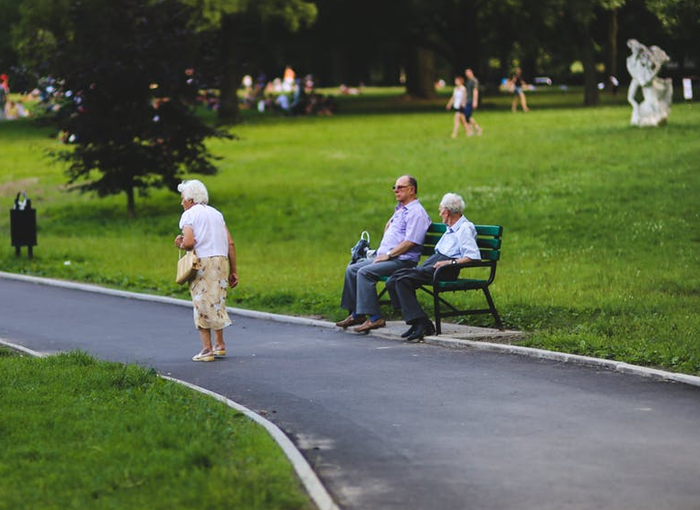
(204, 230)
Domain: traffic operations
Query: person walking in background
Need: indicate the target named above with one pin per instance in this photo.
(458, 101)
(457, 245)
(400, 248)
(517, 85)
(472, 88)
(4, 94)
(204, 230)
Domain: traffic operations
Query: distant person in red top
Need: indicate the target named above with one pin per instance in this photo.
(4, 94)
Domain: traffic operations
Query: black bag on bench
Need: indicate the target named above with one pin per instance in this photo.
(359, 251)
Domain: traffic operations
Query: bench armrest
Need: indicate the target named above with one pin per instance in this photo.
(460, 266)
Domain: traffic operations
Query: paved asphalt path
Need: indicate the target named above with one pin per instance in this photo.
(388, 425)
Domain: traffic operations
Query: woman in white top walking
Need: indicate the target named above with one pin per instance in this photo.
(458, 101)
(204, 230)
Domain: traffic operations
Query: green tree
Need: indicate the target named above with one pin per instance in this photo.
(681, 21)
(128, 93)
(10, 12)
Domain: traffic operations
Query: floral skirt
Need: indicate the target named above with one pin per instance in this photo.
(208, 290)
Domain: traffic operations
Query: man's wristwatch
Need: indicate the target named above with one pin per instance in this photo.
(454, 261)
(388, 254)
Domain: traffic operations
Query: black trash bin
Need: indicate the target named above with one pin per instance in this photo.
(23, 224)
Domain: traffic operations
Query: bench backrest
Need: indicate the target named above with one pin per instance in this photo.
(488, 238)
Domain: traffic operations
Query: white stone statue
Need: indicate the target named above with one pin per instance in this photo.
(643, 65)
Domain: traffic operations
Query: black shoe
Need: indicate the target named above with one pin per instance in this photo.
(425, 328)
(408, 333)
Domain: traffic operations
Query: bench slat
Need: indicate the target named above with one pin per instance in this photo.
(462, 284)
(488, 243)
(490, 254)
(489, 230)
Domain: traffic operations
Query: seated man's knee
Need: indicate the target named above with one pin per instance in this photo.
(365, 272)
(352, 269)
(403, 277)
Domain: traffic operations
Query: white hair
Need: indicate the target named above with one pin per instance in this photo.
(194, 190)
(453, 203)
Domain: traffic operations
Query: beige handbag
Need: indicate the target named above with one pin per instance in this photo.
(187, 267)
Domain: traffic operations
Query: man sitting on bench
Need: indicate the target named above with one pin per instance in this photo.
(400, 249)
(457, 245)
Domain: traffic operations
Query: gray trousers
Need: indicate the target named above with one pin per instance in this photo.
(360, 287)
(403, 284)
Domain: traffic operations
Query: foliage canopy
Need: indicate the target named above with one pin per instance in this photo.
(128, 92)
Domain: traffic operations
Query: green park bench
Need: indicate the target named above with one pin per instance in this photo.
(489, 242)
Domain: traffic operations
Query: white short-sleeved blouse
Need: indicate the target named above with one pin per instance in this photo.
(209, 227)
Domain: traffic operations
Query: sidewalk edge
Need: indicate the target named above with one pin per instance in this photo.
(618, 366)
(306, 474)
(532, 352)
(312, 484)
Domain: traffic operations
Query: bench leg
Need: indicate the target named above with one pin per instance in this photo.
(436, 308)
(492, 307)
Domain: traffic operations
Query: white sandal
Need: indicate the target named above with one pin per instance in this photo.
(203, 356)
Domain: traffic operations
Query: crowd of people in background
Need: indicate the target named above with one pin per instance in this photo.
(288, 95)
(9, 108)
(46, 96)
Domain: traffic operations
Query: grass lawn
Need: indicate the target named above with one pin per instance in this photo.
(601, 246)
(78, 433)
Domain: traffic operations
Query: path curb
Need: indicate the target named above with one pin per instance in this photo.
(312, 484)
(617, 366)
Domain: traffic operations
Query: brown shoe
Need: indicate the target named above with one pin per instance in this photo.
(367, 325)
(350, 321)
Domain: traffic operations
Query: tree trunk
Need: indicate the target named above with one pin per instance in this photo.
(420, 72)
(611, 66)
(467, 41)
(229, 112)
(130, 202)
(391, 70)
(529, 64)
(591, 95)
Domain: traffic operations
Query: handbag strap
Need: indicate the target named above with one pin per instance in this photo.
(181, 253)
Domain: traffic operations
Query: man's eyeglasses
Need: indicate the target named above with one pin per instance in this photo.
(397, 188)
